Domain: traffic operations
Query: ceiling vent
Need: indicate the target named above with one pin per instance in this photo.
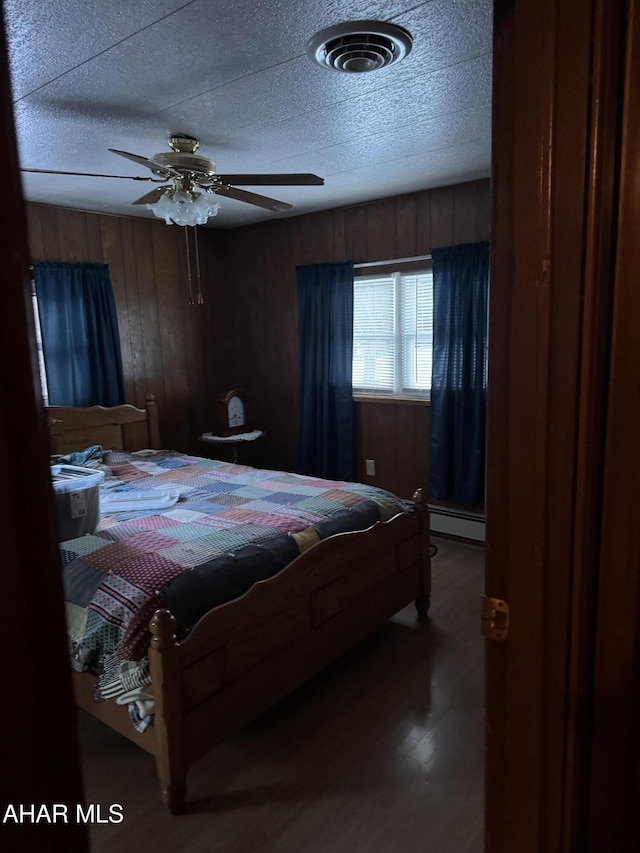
(357, 47)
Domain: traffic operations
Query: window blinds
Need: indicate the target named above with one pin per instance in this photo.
(416, 301)
(393, 333)
(41, 365)
(374, 333)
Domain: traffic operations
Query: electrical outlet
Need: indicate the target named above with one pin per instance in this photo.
(370, 467)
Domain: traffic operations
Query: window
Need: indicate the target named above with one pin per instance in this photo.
(393, 333)
(43, 373)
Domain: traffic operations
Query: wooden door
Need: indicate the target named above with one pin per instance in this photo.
(559, 88)
(613, 815)
(39, 753)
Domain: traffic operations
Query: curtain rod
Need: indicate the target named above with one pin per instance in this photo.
(394, 261)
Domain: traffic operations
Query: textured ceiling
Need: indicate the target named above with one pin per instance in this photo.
(88, 75)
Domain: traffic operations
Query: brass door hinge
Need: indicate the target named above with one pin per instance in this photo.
(494, 618)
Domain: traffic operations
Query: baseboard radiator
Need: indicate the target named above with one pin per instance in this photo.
(457, 522)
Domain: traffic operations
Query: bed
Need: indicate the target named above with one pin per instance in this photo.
(240, 657)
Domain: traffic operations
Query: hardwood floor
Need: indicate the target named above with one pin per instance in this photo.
(380, 753)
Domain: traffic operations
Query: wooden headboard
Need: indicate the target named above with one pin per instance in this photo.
(116, 428)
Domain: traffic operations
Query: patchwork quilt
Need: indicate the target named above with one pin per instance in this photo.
(231, 527)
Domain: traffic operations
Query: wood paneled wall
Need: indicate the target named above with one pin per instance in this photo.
(260, 263)
(246, 333)
(170, 347)
(396, 437)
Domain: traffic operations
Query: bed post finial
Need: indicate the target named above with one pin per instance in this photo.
(152, 421)
(163, 630)
(420, 499)
(421, 509)
(169, 722)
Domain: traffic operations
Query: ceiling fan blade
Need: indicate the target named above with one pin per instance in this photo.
(83, 174)
(252, 198)
(158, 168)
(151, 197)
(303, 180)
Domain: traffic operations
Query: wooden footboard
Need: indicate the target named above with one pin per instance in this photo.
(244, 656)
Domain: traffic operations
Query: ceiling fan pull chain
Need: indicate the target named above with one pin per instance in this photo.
(186, 243)
(195, 240)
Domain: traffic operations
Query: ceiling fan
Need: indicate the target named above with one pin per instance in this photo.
(189, 198)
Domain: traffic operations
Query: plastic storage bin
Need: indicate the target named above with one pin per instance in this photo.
(77, 492)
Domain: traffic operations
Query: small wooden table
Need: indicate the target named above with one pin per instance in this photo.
(232, 440)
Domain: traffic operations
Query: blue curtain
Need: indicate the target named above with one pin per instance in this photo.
(80, 338)
(325, 312)
(459, 379)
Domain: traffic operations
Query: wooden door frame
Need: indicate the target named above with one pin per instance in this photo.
(558, 85)
(40, 757)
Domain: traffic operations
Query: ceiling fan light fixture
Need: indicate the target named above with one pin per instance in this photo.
(185, 208)
(358, 47)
